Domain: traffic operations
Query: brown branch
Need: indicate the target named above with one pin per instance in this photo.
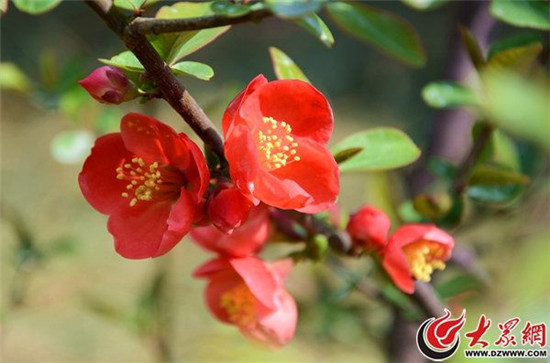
(170, 88)
(158, 26)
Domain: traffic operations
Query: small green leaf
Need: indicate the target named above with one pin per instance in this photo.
(344, 155)
(433, 207)
(473, 47)
(134, 5)
(494, 194)
(523, 13)
(515, 41)
(387, 31)
(71, 147)
(173, 47)
(518, 105)
(293, 8)
(442, 168)
(284, 67)
(195, 69)
(316, 26)
(457, 285)
(35, 7)
(517, 59)
(408, 213)
(489, 175)
(448, 95)
(424, 4)
(12, 78)
(229, 9)
(384, 148)
(125, 60)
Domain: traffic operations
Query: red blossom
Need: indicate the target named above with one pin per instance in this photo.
(109, 85)
(276, 135)
(250, 294)
(150, 180)
(415, 251)
(228, 208)
(243, 241)
(368, 228)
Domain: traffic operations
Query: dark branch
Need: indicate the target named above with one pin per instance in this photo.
(157, 26)
(170, 88)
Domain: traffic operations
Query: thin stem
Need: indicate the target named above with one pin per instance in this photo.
(158, 26)
(170, 88)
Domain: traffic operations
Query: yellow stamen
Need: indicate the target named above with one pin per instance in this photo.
(239, 303)
(277, 148)
(424, 258)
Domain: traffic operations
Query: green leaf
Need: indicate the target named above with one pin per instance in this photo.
(457, 285)
(316, 26)
(523, 13)
(173, 47)
(494, 194)
(518, 59)
(434, 206)
(35, 7)
(134, 5)
(12, 78)
(195, 69)
(515, 41)
(284, 67)
(387, 31)
(344, 155)
(384, 148)
(442, 168)
(125, 60)
(293, 8)
(518, 105)
(504, 151)
(229, 9)
(448, 95)
(424, 4)
(473, 47)
(71, 147)
(490, 175)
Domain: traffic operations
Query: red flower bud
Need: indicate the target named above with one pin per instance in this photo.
(368, 228)
(250, 294)
(150, 180)
(228, 208)
(276, 135)
(109, 85)
(414, 251)
(244, 241)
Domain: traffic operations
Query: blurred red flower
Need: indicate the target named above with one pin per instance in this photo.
(276, 135)
(250, 294)
(415, 251)
(109, 85)
(149, 180)
(368, 228)
(245, 240)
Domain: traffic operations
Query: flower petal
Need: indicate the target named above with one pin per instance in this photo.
(396, 265)
(233, 108)
(295, 102)
(98, 181)
(258, 278)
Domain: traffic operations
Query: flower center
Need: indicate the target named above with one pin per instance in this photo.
(424, 257)
(276, 145)
(146, 181)
(239, 304)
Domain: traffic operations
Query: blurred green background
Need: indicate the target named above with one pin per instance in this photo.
(68, 297)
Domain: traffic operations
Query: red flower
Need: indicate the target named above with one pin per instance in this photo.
(228, 208)
(276, 135)
(149, 180)
(243, 241)
(250, 294)
(368, 228)
(415, 251)
(109, 85)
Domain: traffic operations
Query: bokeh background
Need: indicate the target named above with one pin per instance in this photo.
(68, 297)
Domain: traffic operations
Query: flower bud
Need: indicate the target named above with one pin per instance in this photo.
(109, 85)
(368, 228)
(228, 208)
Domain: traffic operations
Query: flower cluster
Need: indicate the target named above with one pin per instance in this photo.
(413, 251)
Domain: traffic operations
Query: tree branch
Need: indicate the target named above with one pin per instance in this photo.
(170, 88)
(158, 26)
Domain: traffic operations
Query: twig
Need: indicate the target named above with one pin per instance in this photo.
(158, 26)
(170, 88)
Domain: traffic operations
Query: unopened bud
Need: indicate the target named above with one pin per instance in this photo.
(109, 85)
